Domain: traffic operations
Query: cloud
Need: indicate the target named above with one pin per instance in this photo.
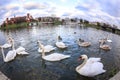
(33, 5)
(63, 0)
(111, 7)
(5, 2)
(12, 7)
(2, 11)
(100, 10)
(51, 10)
(93, 10)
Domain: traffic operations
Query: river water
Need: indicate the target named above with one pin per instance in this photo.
(32, 67)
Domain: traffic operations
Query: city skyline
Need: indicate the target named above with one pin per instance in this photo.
(92, 10)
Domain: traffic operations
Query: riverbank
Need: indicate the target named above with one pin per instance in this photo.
(12, 26)
(116, 77)
(3, 77)
(109, 29)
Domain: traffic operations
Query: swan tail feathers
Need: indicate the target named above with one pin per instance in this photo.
(67, 56)
(104, 71)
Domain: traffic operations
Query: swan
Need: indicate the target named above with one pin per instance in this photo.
(90, 67)
(83, 44)
(60, 44)
(10, 55)
(102, 40)
(105, 39)
(20, 50)
(104, 46)
(8, 44)
(47, 48)
(108, 40)
(53, 56)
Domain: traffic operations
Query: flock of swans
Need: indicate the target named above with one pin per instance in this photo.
(90, 67)
(12, 53)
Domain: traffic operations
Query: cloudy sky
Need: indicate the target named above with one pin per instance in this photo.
(93, 10)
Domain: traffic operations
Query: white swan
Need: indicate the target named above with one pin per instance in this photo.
(20, 50)
(53, 56)
(47, 48)
(90, 67)
(83, 44)
(8, 44)
(102, 40)
(108, 40)
(105, 39)
(60, 44)
(10, 55)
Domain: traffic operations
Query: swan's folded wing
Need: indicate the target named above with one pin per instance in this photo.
(97, 68)
(10, 55)
(91, 60)
(6, 45)
(23, 53)
(92, 69)
(49, 47)
(20, 49)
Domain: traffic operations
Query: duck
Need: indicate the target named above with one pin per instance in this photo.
(48, 48)
(10, 55)
(90, 67)
(53, 56)
(104, 46)
(83, 43)
(60, 44)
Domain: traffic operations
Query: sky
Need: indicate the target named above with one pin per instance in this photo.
(93, 10)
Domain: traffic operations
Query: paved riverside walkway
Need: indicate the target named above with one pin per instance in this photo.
(3, 77)
(116, 77)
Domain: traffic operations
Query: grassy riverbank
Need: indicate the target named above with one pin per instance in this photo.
(13, 26)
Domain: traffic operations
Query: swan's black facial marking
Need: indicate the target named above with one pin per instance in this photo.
(80, 58)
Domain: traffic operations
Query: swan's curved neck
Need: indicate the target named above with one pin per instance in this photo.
(79, 41)
(82, 64)
(9, 41)
(43, 52)
(3, 53)
(57, 39)
(101, 43)
(40, 45)
(13, 45)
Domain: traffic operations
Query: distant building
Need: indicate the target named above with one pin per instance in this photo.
(29, 18)
(48, 19)
(16, 20)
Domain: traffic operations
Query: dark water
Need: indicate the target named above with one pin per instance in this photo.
(32, 67)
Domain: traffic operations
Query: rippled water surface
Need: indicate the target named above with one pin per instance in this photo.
(32, 67)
